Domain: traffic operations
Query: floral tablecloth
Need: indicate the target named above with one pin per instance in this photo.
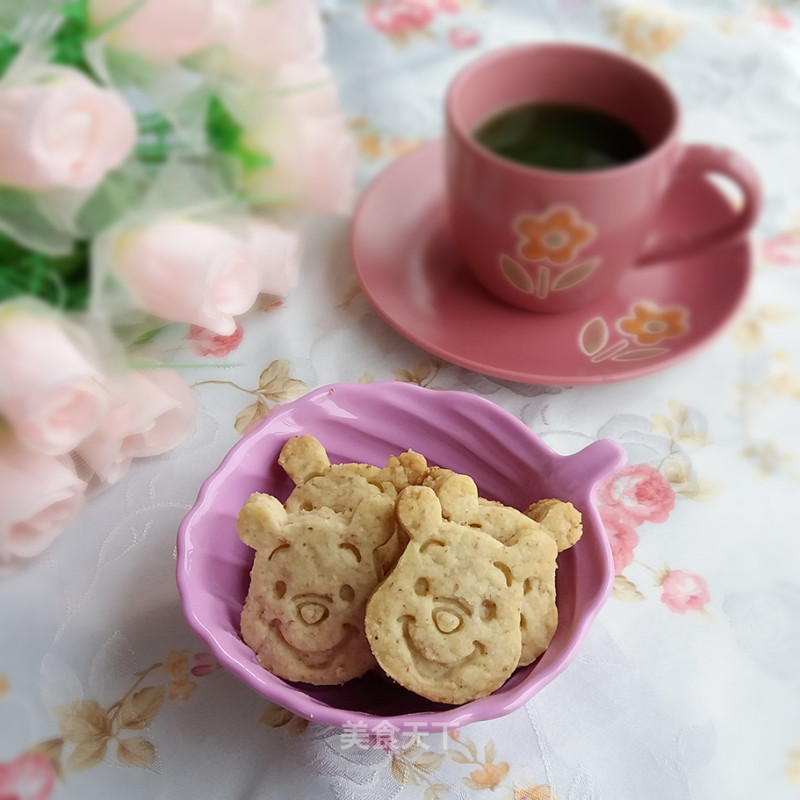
(688, 685)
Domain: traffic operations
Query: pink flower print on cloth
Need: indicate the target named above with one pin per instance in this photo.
(683, 591)
(622, 537)
(401, 16)
(783, 249)
(556, 235)
(27, 777)
(204, 664)
(207, 343)
(463, 36)
(637, 493)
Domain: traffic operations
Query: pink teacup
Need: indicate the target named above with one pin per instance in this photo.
(548, 240)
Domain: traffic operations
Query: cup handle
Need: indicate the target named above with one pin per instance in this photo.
(699, 158)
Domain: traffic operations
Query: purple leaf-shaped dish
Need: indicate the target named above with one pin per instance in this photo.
(368, 423)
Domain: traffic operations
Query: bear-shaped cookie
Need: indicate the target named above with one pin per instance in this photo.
(312, 575)
(460, 502)
(342, 487)
(446, 622)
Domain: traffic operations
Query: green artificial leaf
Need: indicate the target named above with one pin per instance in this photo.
(222, 129)
(61, 281)
(8, 52)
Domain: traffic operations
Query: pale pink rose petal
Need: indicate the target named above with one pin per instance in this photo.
(292, 29)
(101, 451)
(104, 451)
(152, 412)
(50, 391)
(27, 777)
(165, 30)
(169, 407)
(41, 495)
(449, 6)
(638, 494)
(188, 271)
(313, 169)
(278, 252)
(305, 88)
(304, 133)
(62, 132)
(683, 591)
(207, 343)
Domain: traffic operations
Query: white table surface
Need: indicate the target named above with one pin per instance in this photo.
(665, 700)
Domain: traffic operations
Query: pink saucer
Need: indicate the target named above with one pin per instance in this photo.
(410, 270)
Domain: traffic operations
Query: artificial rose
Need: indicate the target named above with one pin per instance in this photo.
(164, 30)
(637, 493)
(59, 130)
(293, 29)
(278, 252)
(152, 412)
(175, 404)
(185, 270)
(40, 495)
(683, 591)
(305, 135)
(51, 391)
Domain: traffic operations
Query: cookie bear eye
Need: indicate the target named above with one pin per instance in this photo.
(488, 610)
(347, 593)
(280, 589)
(506, 570)
(351, 548)
(422, 587)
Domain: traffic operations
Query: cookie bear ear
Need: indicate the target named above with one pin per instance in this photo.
(560, 520)
(407, 469)
(528, 546)
(457, 494)
(419, 512)
(373, 522)
(303, 458)
(260, 521)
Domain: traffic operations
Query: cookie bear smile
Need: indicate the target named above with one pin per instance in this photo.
(426, 664)
(317, 659)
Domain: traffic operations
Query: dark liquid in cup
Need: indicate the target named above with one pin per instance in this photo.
(560, 136)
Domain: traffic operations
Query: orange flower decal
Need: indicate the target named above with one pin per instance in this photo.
(556, 235)
(650, 324)
(490, 775)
